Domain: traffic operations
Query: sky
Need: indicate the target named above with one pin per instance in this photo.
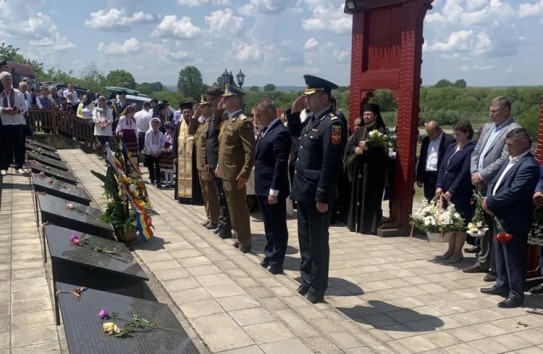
(485, 42)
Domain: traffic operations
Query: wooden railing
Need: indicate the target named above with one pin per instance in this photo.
(58, 122)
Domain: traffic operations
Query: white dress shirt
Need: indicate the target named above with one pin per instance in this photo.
(512, 162)
(432, 155)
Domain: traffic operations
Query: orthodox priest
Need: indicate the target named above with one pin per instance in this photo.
(366, 165)
(187, 187)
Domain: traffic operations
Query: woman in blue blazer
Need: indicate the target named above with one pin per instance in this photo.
(454, 184)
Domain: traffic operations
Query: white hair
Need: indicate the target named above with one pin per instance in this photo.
(4, 74)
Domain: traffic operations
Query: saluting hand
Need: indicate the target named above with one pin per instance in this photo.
(322, 207)
(298, 104)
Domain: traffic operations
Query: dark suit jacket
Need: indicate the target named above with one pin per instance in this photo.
(445, 142)
(512, 204)
(271, 160)
(454, 175)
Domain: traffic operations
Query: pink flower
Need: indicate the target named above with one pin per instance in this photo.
(70, 206)
(51, 181)
(42, 174)
(75, 239)
(103, 314)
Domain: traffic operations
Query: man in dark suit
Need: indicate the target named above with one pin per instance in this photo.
(314, 188)
(538, 203)
(487, 157)
(432, 150)
(509, 199)
(271, 182)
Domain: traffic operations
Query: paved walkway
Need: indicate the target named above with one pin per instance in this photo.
(386, 295)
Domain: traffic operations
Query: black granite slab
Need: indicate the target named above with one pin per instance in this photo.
(41, 145)
(61, 165)
(42, 151)
(62, 175)
(82, 218)
(60, 189)
(85, 335)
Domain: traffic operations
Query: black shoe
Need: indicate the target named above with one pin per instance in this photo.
(302, 289)
(264, 263)
(475, 269)
(245, 249)
(275, 269)
(510, 303)
(218, 229)
(206, 223)
(473, 249)
(314, 298)
(225, 234)
(538, 289)
(494, 291)
(236, 244)
(489, 277)
(210, 226)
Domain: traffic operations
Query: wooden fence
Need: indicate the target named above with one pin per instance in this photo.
(58, 122)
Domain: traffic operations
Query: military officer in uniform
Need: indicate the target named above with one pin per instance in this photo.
(314, 187)
(198, 126)
(236, 161)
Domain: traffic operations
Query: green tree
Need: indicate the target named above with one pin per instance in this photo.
(254, 89)
(460, 83)
(148, 88)
(92, 78)
(443, 83)
(9, 52)
(385, 99)
(190, 82)
(121, 78)
(269, 87)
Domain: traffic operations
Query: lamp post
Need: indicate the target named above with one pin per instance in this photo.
(241, 78)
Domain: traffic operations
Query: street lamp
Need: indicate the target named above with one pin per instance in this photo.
(227, 77)
(241, 78)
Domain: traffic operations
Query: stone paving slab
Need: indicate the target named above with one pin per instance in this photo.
(386, 295)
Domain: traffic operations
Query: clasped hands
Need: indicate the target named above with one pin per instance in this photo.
(447, 195)
(362, 146)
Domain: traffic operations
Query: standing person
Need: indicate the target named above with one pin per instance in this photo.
(432, 150)
(187, 188)
(12, 109)
(166, 157)
(366, 167)
(71, 95)
(43, 101)
(509, 200)
(143, 123)
(454, 183)
(207, 184)
(213, 95)
(271, 183)
(487, 157)
(103, 118)
(85, 108)
(127, 130)
(538, 203)
(236, 161)
(314, 187)
(154, 142)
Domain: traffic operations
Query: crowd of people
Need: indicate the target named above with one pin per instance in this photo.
(309, 154)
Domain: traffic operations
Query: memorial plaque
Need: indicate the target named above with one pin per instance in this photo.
(85, 334)
(41, 145)
(72, 215)
(61, 165)
(95, 263)
(49, 171)
(39, 150)
(60, 189)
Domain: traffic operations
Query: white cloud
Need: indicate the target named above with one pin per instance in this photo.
(529, 10)
(245, 52)
(57, 42)
(224, 23)
(311, 43)
(174, 28)
(457, 41)
(476, 67)
(131, 45)
(472, 13)
(180, 56)
(194, 3)
(268, 7)
(117, 19)
(328, 18)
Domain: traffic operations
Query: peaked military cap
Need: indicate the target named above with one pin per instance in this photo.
(185, 105)
(203, 100)
(233, 91)
(315, 84)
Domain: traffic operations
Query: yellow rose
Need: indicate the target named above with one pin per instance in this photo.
(110, 328)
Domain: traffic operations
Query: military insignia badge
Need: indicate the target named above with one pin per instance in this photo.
(336, 134)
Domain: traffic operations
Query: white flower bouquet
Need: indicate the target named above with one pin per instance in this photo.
(477, 227)
(432, 218)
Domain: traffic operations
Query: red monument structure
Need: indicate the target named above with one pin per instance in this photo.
(387, 54)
